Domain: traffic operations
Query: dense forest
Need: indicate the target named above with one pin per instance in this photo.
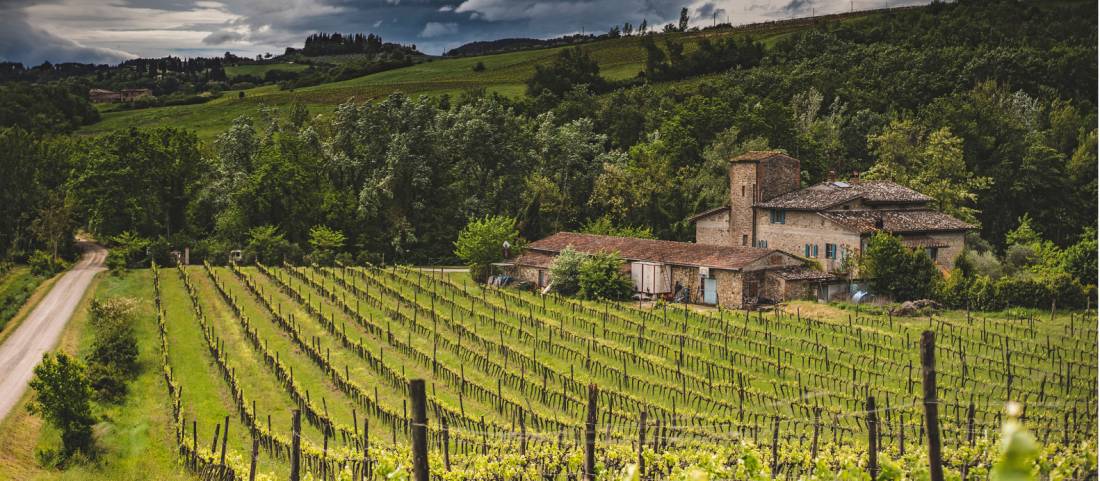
(990, 107)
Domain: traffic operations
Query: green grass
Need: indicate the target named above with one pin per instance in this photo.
(16, 288)
(505, 73)
(864, 350)
(259, 70)
(136, 436)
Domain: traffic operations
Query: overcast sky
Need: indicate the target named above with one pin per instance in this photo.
(107, 31)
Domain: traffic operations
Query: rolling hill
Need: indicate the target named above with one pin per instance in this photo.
(504, 73)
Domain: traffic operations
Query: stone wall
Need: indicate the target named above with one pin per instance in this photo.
(688, 277)
(729, 288)
(803, 228)
(956, 242)
(530, 274)
(778, 175)
(714, 229)
(742, 192)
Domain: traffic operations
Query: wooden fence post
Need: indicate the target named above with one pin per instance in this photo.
(775, 447)
(252, 465)
(817, 432)
(225, 438)
(872, 438)
(419, 430)
(295, 444)
(931, 410)
(641, 444)
(446, 444)
(590, 435)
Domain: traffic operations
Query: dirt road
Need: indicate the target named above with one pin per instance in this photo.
(40, 331)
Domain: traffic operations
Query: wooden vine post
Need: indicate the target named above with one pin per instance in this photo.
(295, 444)
(590, 435)
(872, 438)
(775, 447)
(931, 410)
(641, 444)
(419, 430)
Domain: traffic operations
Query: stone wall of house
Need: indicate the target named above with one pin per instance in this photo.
(778, 175)
(801, 228)
(688, 277)
(729, 288)
(714, 229)
(530, 274)
(945, 256)
(742, 192)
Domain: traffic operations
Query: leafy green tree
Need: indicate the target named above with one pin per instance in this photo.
(565, 271)
(267, 245)
(572, 66)
(932, 164)
(113, 358)
(603, 225)
(1079, 259)
(601, 277)
(326, 243)
(62, 399)
(481, 243)
(897, 271)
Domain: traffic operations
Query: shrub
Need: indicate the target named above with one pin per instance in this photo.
(62, 399)
(953, 292)
(267, 245)
(897, 271)
(479, 67)
(325, 243)
(44, 264)
(601, 277)
(565, 270)
(982, 294)
(481, 243)
(112, 359)
(604, 226)
(130, 249)
(1021, 291)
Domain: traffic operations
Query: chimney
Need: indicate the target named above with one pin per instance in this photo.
(832, 176)
(855, 177)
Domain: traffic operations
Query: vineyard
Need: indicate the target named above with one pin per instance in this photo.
(512, 377)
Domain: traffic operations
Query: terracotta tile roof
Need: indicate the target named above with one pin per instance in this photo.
(829, 194)
(803, 274)
(708, 213)
(534, 259)
(896, 221)
(757, 155)
(668, 252)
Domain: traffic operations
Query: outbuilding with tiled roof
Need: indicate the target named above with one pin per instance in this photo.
(732, 276)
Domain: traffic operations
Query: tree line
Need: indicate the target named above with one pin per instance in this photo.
(986, 107)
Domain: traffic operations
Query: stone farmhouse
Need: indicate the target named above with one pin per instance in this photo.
(762, 246)
(830, 222)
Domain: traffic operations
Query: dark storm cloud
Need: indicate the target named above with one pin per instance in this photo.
(20, 41)
(105, 30)
(795, 7)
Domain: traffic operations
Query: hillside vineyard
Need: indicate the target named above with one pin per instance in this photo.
(507, 376)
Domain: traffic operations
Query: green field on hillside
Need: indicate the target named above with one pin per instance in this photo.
(504, 73)
(260, 69)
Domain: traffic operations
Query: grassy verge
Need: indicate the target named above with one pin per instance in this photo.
(9, 322)
(136, 436)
